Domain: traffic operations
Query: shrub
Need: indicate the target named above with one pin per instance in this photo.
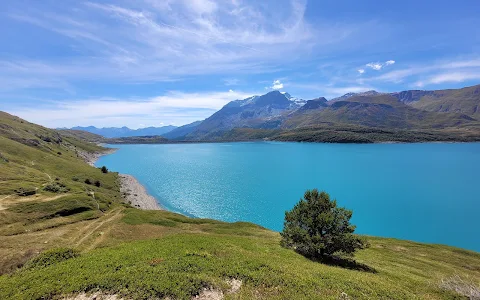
(56, 187)
(75, 178)
(316, 227)
(97, 183)
(104, 169)
(87, 181)
(25, 191)
(51, 257)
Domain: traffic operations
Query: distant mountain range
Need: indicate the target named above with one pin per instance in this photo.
(182, 131)
(407, 110)
(115, 132)
(407, 116)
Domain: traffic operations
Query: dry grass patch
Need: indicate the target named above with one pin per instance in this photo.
(461, 286)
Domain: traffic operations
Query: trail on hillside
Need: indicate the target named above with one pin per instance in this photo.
(94, 226)
(1, 206)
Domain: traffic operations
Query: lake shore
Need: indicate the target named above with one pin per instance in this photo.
(92, 157)
(132, 190)
(136, 194)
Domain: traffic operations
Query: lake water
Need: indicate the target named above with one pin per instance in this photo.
(422, 192)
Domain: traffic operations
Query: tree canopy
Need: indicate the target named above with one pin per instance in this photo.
(316, 227)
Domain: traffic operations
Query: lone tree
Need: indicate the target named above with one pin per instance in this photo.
(104, 169)
(317, 228)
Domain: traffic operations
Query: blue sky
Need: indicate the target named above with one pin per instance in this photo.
(159, 62)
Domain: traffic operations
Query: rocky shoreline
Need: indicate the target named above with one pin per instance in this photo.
(91, 157)
(133, 191)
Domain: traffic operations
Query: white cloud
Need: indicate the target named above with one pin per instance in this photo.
(201, 6)
(434, 73)
(171, 108)
(277, 85)
(449, 77)
(159, 40)
(377, 66)
(331, 91)
(361, 71)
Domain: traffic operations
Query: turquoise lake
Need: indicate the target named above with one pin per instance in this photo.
(421, 192)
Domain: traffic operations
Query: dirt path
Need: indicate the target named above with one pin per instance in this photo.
(1, 200)
(8, 200)
(95, 226)
(49, 177)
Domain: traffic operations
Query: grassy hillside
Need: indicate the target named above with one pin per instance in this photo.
(380, 111)
(464, 101)
(43, 184)
(72, 237)
(333, 133)
(160, 254)
(82, 135)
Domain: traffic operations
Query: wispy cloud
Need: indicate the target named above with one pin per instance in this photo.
(421, 75)
(231, 81)
(156, 40)
(171, 108)
(449, 77)
(377, 66)
(330, 91)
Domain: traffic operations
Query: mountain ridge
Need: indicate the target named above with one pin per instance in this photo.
(265, 116)
(411, 109)
(115, 132)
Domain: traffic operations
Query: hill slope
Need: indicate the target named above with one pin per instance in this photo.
(380, 110)
(463, 101)
(182, 131)
(42, 177)
(82, 135)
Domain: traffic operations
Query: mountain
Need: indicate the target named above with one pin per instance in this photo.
(348, 95)
(114, 132)
(182, 131)
(314, 104)
(374, 110)
(455, 111)
(450, 114)
(463, 101)
(264, 111)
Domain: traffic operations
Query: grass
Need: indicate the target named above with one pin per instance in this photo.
(81, 238)
(191, 256)
(38, 159)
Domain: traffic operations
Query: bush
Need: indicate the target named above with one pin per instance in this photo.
(87, 181)
(104, 169)
(51, 257)
(97, 183)
(56, 187)
(316, 227)
(23, 192)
